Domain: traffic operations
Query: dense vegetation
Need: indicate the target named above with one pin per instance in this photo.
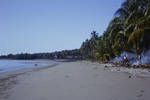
(129, 30)
(65, 54)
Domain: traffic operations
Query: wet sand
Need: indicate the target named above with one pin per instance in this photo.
(78, 80)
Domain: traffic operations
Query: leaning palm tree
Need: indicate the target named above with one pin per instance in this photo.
(136, 16)
(135, 40)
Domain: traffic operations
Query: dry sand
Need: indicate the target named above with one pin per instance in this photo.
(79, 80)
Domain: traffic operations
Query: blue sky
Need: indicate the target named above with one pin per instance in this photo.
(51, 25)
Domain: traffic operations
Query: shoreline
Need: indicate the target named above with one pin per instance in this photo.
(64, 79)
(9, 79)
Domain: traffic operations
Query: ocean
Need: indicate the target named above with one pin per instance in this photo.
(13, 65)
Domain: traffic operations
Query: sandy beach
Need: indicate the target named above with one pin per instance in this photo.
(79, 80)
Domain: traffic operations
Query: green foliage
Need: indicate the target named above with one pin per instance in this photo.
(65, 54)
(124, 33)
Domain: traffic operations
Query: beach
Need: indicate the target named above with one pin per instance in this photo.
(77, 80)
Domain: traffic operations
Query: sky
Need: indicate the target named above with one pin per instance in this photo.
(34, 26)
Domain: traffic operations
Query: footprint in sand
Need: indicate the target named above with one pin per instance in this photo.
(95, 68)
(67, 76)
(142, 91)
(140, 94)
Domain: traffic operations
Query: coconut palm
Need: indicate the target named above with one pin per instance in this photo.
(135, 15)
(124, 32)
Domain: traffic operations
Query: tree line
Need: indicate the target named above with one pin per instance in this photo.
(65, 54)
(129, 30)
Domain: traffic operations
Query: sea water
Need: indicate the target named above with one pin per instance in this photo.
(13, 65)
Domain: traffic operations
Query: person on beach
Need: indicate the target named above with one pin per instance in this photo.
(125, 60)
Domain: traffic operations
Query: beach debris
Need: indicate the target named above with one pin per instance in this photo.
(105, 66)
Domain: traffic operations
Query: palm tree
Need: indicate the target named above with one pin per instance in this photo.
(135, 39)
(88, 48)
(135, 15)
(126, 31)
